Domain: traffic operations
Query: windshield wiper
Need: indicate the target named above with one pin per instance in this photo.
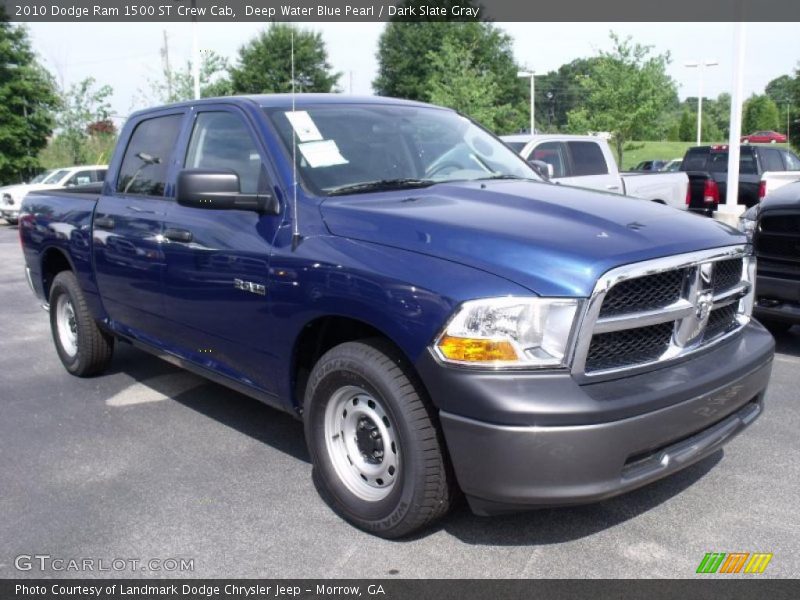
(506, 176)
(381, 185)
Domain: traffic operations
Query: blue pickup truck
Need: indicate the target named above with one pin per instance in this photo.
(442, 320)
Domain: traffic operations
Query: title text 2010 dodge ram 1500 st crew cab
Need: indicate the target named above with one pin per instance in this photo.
(401, 280)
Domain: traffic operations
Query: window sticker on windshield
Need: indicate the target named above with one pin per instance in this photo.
(304, 126)
(322, 154)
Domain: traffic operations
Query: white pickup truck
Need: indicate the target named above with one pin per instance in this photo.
(11, 196)
(586, 161)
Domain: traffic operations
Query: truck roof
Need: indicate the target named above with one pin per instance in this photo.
(527, 137)
(300, 100)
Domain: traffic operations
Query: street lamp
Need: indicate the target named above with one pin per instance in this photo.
(530, 74)
(700, 66)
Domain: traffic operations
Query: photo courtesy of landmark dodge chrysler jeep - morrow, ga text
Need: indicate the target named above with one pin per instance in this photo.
(442, 320)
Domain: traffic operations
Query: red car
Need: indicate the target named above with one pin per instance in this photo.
(764, 137)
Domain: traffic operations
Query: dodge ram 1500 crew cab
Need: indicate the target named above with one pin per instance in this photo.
(441, 319)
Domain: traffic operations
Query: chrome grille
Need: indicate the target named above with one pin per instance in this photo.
(644, 293)
(628, 347)
(659, 310)
(727, 273)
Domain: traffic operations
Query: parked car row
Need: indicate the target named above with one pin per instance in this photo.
(11, 196)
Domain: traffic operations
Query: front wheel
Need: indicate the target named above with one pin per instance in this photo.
(379, 459)
(84, 349)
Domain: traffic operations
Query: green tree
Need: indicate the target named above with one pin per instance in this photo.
(626, 93)
(403, 73)
(81, 105)
(27, 101)
(560, 92)
(176, 85)
(265, 63)
(455, 82)
(686, 127)
(760, 113)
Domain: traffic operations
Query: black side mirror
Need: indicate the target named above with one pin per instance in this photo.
(219, 190)
(543, 169)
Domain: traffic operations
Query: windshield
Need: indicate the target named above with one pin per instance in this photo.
(352, 148)
(41, 177)
(57, 176)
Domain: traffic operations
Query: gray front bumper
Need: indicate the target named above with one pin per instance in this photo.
(504, 466)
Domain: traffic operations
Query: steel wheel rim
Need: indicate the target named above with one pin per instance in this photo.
(67, 326)
(362, 443)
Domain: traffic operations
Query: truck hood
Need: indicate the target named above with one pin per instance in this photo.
(19, 190)
(554, 240)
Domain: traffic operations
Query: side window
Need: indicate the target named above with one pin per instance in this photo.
(100, 175)
(146, 159)
(79, 178)
(791, 160)
(221, 140)
(587, 159)
(771, 160)
(553, 154)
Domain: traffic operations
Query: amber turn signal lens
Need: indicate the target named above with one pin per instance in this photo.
(476, 350)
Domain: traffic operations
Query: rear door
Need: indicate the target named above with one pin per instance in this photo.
(128, 226)
(217, 261)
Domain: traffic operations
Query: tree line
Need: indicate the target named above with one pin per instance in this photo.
(468, 66)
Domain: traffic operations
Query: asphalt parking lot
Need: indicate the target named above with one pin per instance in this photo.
(151, 462)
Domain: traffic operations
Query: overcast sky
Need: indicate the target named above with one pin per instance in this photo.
(126, 55)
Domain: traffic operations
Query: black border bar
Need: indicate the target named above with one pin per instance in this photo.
(384, 10)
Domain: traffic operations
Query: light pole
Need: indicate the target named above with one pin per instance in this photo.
(700, 65)
(531, 74)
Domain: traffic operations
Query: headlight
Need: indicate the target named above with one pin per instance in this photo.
(747, 222)
(509, 332)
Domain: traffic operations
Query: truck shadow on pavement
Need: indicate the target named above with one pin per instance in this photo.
(237, 411)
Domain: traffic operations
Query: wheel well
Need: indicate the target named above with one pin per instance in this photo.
(317, 338)
(53, 262)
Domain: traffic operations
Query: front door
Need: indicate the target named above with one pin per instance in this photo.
(217, 261)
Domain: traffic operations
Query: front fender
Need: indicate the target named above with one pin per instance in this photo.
(405, 295)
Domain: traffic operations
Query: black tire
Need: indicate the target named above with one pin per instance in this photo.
(776, 326)
(94, 347)
(423, 489)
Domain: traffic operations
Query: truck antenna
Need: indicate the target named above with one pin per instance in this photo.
(296, 217)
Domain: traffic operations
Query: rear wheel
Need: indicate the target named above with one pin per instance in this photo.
(84, 349)
(379, 459)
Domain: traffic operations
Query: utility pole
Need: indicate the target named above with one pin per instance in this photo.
(195, 54)
(788, 125)
(167, 68)
(531, 74)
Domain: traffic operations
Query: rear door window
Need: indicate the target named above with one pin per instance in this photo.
(587, 159)
(696, 159)
(146, 160)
